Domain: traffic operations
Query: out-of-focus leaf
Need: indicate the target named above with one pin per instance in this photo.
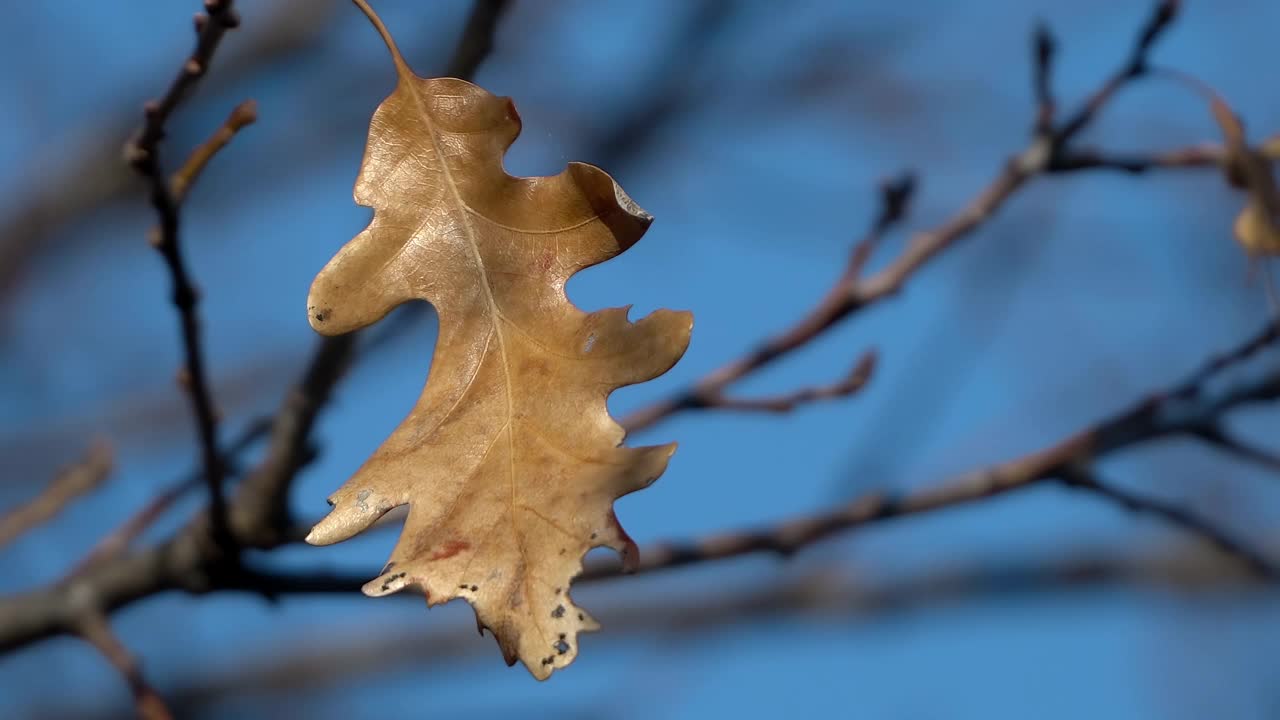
(510, 462)
(1257, 227)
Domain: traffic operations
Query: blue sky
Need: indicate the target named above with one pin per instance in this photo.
(1083, 293)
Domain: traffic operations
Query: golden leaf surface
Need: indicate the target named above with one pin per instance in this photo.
(509, 461)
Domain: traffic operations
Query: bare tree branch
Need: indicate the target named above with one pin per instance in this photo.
(1176, 411)
(820, 594)
(852, 382)
(709, 393)
(1086, 479)
(1166, 11)
(1219, 437)
(186, 563)
(96, 178)
(853, 293)
(119, 539)
(83, 476)
(147, 702)
(143, 153)
(242, 115)
(260, 512)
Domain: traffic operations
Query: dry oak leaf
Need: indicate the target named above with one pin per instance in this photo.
(1257, 227)
(509, 461)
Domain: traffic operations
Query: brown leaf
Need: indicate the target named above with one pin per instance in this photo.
(510, 461)
(1257, 227)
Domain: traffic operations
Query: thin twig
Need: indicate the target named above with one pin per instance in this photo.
(241, 116)
(1166, 11)
(709, 392)
(1219, 437)
(97, 632)
(1087, 479)
(144, 154)
(95, 178)
(75, 480)
(208, 36)
(120, 538)
(854, 293)
(850, 384)
(186, 561)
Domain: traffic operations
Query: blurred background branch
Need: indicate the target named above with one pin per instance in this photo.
(96, 177)
(76, 480)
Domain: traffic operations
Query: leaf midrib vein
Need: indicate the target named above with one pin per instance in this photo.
(473, 245)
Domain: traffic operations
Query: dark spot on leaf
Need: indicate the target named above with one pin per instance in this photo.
(593, 535)
(558, 612)
(581, 616)
(462, 587)
(558, 590)
(561, 636)
(475, 588)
